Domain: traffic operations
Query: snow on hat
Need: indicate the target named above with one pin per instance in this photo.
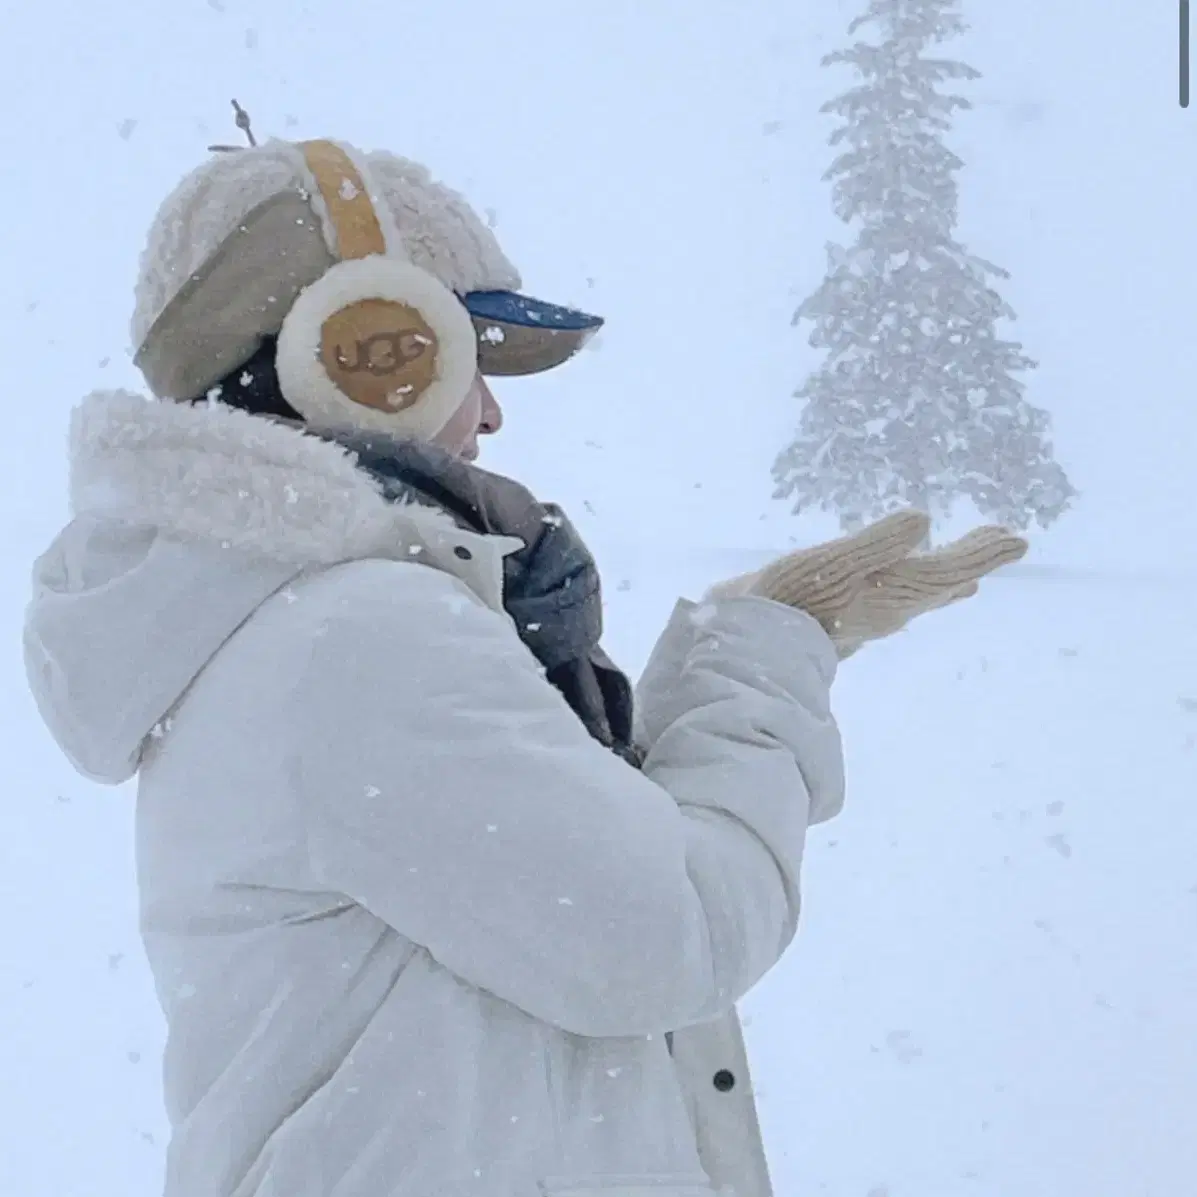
(243, 236)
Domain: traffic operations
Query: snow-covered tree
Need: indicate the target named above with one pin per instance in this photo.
(918, 400)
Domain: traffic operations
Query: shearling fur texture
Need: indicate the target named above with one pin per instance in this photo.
(305, 382)
(440, 231)
(210, 472)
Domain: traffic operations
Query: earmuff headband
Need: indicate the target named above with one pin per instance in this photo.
(350, 209)
(377, 342)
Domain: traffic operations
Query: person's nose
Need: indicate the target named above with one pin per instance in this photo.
(491, 419)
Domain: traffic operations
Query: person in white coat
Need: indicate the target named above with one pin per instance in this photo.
(431, 909)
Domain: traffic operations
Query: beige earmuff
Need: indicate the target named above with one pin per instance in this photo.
(376, 342)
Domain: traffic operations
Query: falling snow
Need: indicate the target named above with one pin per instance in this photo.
(1060, 844)
(1044, 976)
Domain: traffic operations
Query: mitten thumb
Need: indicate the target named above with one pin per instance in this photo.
(824, 581)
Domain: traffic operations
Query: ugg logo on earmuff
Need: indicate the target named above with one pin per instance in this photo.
(384, 352)
(380, 353)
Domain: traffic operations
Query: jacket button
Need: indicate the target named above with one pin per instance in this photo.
(462, 553)
(724, 1081)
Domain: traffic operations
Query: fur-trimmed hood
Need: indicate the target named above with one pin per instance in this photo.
(185, 519)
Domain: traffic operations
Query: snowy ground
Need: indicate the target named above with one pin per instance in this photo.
(992, 992)
(995, 990)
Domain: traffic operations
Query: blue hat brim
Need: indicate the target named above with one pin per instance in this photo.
(521, 335)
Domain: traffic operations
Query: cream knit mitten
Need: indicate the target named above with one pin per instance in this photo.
(871, 584)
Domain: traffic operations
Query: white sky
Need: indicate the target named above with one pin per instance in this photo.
(660, 163)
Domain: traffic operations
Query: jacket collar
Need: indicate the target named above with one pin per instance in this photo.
(209, 472)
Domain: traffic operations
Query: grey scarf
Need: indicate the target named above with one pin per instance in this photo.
(551, 586)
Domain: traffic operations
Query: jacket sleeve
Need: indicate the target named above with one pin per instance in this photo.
(448, 788)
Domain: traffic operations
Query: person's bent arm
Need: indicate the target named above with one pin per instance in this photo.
(450, 790)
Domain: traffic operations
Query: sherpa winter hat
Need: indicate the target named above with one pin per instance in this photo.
(235, 252)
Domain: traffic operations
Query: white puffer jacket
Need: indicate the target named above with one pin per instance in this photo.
(415, 933)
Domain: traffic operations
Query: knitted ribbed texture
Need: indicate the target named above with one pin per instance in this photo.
(870, 585)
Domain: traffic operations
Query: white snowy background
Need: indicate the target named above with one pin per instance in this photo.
(995, 991)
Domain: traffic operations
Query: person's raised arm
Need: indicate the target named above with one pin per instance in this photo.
(449, 789)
